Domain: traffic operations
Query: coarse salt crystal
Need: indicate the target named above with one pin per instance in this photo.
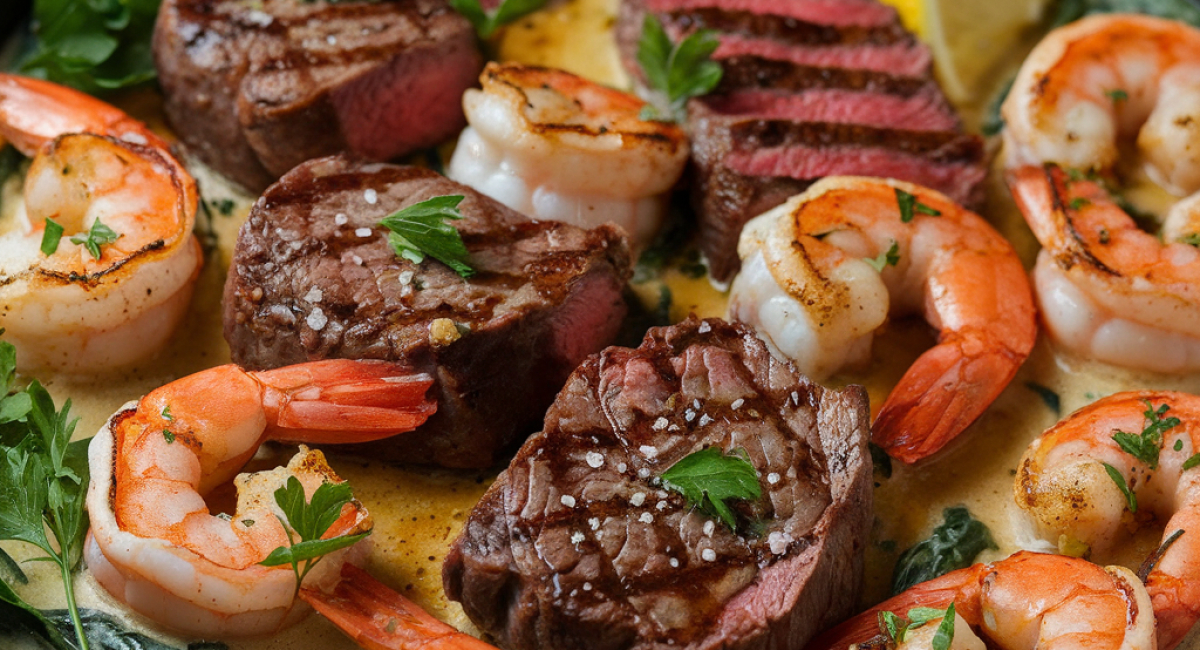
(341, 219)
(704, 419)
(370, 196)
(594, 459)
(796, 398)
(260, 18)
(646, 518)
(689, 415)
(779, 542)
(356, 259)
(660, 424)
(708, 555)
(316, 318)
(362, 232)
(594, 522)
(621, 467)
(637, 499)
(587, 586)
(662, 505)
(577, 537)
(568, 500)
(331, 39)
(773, 478)
(737, 403)
(673, 427)
(314, 295)
(648, 450)
(704, 328)
(643, 473)
(405, 277)
(696, 404)
(709, 527)
(674, 563)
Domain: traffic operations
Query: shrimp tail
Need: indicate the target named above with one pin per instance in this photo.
(378, 618)
(942, 394)
(342, 401)
(1174, 607)
(960, 587)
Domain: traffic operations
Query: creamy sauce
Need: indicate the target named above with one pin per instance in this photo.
(419, 512)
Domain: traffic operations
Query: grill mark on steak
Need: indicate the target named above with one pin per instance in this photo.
(537, 569)
(789, 31)
(748, 71)
(306, 285)
(911, 59)
(832, 12)
(936, 146)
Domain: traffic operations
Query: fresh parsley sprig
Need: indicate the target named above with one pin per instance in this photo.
(421, 229)
(43, 481)
(98, 235)
(909, 205)
(1147, 446)
(896, 628)
(709, 478)
(678, 71)
(890, 257)
(309, 521)
(487, 22)
(92, 45)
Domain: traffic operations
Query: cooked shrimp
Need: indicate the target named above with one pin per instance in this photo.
(807, 287)
(154, 543)
(378, 618)
(72, 310)
(1063, 483)
(1028, 600)
(558, 147)
(1108, 290)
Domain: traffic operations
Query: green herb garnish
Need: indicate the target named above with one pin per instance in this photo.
(1049, 397)
(168, 436)
(486, 23)
(99, 235)
(309, 520)
(1191, 239)
(51, 237)
(1116, 95)
(1147, 445)
(1079, 202)
(1115, 475)
(945, 631)
(953, 545)
(880, 460)
(896, 628)
(421, 230)
(1191, 462)
(708, 479)
(43, 481)
(887, 258)
(677, 71)
(909, 204)
(92, 45)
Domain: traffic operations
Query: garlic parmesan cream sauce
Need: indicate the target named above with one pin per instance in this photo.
(419, 512)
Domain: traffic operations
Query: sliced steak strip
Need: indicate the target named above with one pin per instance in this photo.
(313, 277)
(256, 91)
(808, 91)
(579, 545)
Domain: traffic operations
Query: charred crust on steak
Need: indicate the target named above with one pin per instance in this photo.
(578, 544)
(313, 277)
(791, 31)
(256, 90)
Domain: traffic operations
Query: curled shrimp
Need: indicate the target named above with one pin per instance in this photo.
(1063, 483)
(557, 147)
(1026, 601)
(807, 287)
(1107, 290)
(154, 544)
(75, 309)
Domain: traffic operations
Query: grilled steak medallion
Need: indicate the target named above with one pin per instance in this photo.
(257, 88)
(313, 277)
(811, 88)
(578, 544)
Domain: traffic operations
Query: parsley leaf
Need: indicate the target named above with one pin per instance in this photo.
(97, 236)
(896, 628)
(43, 479)
(421, 230)
(1191, 462)
(51, 237)
(1147, 446)
(1116, 95)
(953, 545)
(1115, 475)
(310, 520)
(679, 71)
(1049, 397)
(92, 45)
(709, 478)
(945, 631)
(908, 204)
(887, 258)
(1191, 239)
(1078, 203)
(486, 23)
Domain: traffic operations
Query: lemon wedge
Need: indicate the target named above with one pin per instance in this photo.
(969, 39)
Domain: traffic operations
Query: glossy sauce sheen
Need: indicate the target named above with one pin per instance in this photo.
(418, 513)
